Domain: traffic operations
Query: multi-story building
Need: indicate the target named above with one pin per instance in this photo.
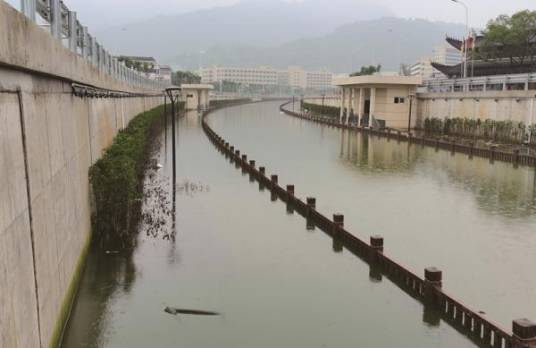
(301, 78)
(263, 76)
(295, 77)
(164, 73)
(148, 66)
(443, 54)
(422, 68)
(446, 54)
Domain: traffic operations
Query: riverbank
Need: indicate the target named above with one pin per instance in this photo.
(116, 180)
(506, 153)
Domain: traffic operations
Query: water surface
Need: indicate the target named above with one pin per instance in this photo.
(473, 219)
(235, 252)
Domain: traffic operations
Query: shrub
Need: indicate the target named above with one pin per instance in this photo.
(116, 181)
(323, 110)
(503, 131)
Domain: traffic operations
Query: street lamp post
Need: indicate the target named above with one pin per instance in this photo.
(466, 35)
(411, 96)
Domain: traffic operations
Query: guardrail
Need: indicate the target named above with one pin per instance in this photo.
(482, 83)
(65, 27)
(482, 331)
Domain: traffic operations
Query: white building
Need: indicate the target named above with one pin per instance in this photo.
(149, 67)
(295, 77)
(164, 73)
(446, 54)
(318, 80)
(443, 54)
(422, 68)
(252, 76)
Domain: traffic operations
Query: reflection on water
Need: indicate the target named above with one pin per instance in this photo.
(497, 187)
(474, 219)
(105, 277)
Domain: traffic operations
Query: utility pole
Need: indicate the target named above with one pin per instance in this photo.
(464, 65)
(410, 112)
(174, 95)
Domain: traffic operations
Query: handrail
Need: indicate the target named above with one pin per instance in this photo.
(64, 25)
(449, 85)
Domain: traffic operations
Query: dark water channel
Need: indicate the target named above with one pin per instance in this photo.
(276, 284)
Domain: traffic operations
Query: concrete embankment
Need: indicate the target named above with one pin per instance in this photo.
(48, 139)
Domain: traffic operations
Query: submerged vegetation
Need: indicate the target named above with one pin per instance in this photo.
(116, 181)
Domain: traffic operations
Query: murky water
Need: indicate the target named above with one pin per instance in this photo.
(278, 285)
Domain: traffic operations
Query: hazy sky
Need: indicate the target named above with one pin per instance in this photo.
(104, 13)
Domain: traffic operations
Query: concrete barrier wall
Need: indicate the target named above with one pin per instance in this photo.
(48, 140)
(516, 106)
(328, 101)
(27, 46)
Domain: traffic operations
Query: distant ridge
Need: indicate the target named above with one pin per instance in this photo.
(258, 23)
(387, 41)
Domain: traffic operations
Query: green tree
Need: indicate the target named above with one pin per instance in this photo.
(186, 77)
(367, 70)
(512, 37)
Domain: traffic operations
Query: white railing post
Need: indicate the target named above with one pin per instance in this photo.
(28, 7)
(101, 57)
(93, 51)
(55, 18)
(73, 32)
(64, 24)
(85, 43)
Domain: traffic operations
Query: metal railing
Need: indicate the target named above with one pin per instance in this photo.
(483, 83)
(65, 27)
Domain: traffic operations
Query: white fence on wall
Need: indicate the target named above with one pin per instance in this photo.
(65, 27)
(484, 83)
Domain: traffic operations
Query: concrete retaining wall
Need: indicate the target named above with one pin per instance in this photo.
(516, 106)
(59, 136)
(328, 101)
(48, 140)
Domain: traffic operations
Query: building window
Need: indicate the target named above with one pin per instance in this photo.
(399, 100)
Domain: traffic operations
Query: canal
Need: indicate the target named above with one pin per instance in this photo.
(275, 283)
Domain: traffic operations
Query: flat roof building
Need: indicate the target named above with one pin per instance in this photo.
(294, 76)
(422, 68)
(379, 101)
(196, 96)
